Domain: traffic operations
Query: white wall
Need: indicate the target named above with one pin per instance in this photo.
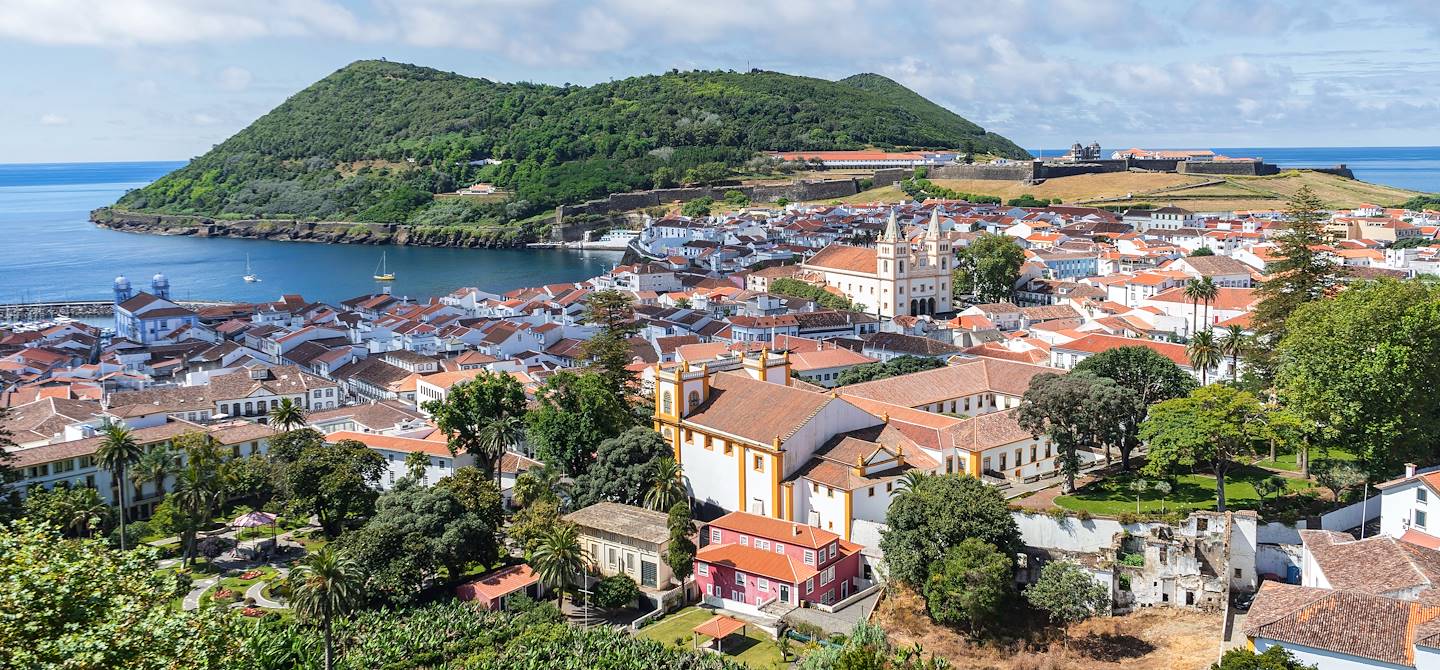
(1351, 516)
(1326, 660)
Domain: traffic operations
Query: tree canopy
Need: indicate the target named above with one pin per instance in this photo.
(574, 414)
(900, 365)
(937, 513)
(971, 584)
(1150, 378)
(1078, 411)
(335, 482)
(988, 268)
(1213, 427)
(624, 468)
(1068, 593)
(476, 413)
(1363, 366)
(1303, 272)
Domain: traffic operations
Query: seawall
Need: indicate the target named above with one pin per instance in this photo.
(329, 232)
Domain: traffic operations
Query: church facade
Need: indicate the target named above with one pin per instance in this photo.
(900, 276)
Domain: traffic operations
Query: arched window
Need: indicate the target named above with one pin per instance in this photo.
(667, 403)
(694, 399)
(929, 305)
(913, 306)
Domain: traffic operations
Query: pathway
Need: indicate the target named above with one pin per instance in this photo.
(256, 592)
(192, 599)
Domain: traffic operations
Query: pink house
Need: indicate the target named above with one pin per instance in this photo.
(751, 561)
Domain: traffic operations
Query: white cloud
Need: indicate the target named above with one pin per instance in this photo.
(164, 22)
(203, 119)
(53, 120)
(235, 78)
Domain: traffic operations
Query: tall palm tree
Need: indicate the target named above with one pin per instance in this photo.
(116, 452)
(1204, 354)
(1192, 291)
(558, 558)
(83, 511)
(326, 585)
(155, 467)
(200, 484)
(1207, 290)
(415, 464)
(1234, 343)
(498, 436)
(667, 486)
(287, 415)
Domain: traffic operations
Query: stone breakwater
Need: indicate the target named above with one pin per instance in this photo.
(329, 232)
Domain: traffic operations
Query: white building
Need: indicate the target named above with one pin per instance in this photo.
(897, 277)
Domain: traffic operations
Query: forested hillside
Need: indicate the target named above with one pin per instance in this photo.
(375, 140)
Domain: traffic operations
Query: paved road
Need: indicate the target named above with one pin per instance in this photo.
(192, 599)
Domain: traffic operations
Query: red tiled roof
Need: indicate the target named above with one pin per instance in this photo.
(497, 584)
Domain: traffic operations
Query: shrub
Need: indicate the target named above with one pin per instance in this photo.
(1128, 518)
(1133, 560)
(617, 591)
(1084, 515)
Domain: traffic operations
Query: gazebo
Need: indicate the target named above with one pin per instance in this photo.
(718, 628)
(255, 520)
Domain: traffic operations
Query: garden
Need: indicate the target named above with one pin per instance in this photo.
(756, 649)
(1246, 487)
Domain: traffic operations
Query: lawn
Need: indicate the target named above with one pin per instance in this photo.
(1112, 495)
(1289, 462)
(757, 650)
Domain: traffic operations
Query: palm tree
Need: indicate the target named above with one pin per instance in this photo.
(1234, 343)
(155, 466)
(287, 415)
(326, 585)
(200, 484)
(1207, 290)
(1192, 291)
(415, 464)
(558, 558)
(667, 487)
(910, 480)
(1203, 354)
(117, 451)
(83, 511)
(498, 436)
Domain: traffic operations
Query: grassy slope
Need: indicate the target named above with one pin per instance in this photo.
(1188, 191)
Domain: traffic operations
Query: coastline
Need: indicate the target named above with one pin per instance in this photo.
(326, 232)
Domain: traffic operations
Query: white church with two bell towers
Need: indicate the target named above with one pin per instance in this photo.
(899, 276)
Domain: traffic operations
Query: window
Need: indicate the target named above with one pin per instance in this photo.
(814, 488)
(759, 463)
(1421, 494)
(694, 399)
(889, 486)
(714, 534)
(829, 492)
(667, 403)
(744, 540)
(809, 585)
(779, 548)
(739, 579)
(762, 544)
(762, 583)
(729, 449)
(1420, 518)
(827, 576)
(702, 569)
(809, 557)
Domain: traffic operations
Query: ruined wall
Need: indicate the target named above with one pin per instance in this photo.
(1027, 171)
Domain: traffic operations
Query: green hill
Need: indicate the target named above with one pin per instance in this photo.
(375, 140)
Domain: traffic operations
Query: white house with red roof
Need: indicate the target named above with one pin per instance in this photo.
(1410, 506)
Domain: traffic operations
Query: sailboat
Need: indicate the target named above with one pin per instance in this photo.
(382, 274)
(250, 276)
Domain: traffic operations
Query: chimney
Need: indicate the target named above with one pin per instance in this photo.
(1409, 470)
(795, 529)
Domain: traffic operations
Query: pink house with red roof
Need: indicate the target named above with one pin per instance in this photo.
(750, 562)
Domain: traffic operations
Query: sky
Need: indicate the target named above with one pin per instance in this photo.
(112, 80)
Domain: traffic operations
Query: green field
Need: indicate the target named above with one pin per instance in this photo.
(756, 649)
(1289, 462)
(1112, 495)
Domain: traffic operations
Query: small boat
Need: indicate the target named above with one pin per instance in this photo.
(382, 274)
(249, 275)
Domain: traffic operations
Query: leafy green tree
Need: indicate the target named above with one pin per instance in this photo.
(1274, 658)
(609, 348)
(543, 483)
(327, 585)
(1193, 291)
(1303, 273)
(335, 482)
(680, 553)
(1202, 251)
(707, 173)
(1347, 363)
(698, 207)
(663, 177)
(816, 294)
(558, 559)
(667, 486)
(155, 466)
(287, 415)
(1068, 594)
(415, 533)
(118, 450)
(476, 493)
(78, 512)
(200, 485)
(416, 463)
(988, 268)
(624, 468)
(943, 511)
(1215, 426)
(900, 365)
(529, 526)
(1149, 376)
(1204, 354)
(1337, 476)
(971, 584)
(1077, 411)
(616, 591)
(573, 414)
(479, 417)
